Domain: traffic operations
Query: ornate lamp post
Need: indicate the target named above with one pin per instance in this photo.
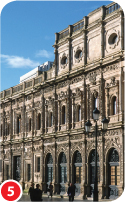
(88, 125)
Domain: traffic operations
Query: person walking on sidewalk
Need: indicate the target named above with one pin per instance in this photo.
(51, 189)
(37, 193)
(31, 192)
(71, 192)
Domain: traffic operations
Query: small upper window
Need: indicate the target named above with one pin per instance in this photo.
(113, 38)
(64, 60)
(79, 54)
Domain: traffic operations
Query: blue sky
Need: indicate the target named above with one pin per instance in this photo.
(28, 33)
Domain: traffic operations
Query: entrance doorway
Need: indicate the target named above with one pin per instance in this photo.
(77, 172)
(62, 172)
(114, 173)
(49, 169)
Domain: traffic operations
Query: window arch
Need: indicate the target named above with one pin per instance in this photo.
(63, 115)
(39, 121)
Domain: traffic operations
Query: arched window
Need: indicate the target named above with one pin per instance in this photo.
(49, 168)
(63, 171)
(113, 173)
(79, 54)
(79, 113)
(29, 124)
(114, 105)
(114, 168)
(63, 115)
(39, 121)
(77, 167)
(64, 60)
(19, 124)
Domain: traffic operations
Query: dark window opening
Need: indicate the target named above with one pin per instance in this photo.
(63, 115)
(28, 172)
(38, 164)
(39, 121)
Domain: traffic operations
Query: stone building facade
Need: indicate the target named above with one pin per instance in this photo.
(43, 136)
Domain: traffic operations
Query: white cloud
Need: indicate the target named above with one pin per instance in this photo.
(44, 54)
(18, 62)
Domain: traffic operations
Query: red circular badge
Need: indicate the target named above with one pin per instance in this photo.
(11, 190)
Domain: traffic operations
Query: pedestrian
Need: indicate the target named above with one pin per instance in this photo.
(31, 192)
(51, 189)
(37, 193)
(71, 192)
(48, 191)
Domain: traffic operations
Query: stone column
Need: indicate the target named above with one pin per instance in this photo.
(102, 39)
(23, 119)
(42, 161)
(83, 111)
(91, 104)
(45, 118)
(72, 112)
(84, 167)
(56, 53)
(42, 112)
(58, 115)
(107, 98)
(68, 109)
(122, 29)
(69, 39)
(88, 102)
(32, 118)
(54, 166)
(54, 109)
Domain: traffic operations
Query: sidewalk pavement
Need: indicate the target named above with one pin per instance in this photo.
(56, 198)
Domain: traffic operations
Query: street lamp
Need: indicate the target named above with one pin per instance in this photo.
(88, 125)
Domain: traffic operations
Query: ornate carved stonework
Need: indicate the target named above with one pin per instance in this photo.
(77, 79)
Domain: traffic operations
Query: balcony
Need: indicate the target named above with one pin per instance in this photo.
(63, 127)
(78, 124)
(116, 118)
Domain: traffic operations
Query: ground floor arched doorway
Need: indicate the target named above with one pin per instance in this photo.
(113, 173)
(77, 175)
(62, 172)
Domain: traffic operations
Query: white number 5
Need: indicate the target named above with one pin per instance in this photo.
(12, 192)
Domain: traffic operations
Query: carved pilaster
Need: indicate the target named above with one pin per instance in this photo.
(68, 109)
(58, 115)
(107, 100)
(46, 115)
(42, 112)
(72, 112)
(88, 102)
